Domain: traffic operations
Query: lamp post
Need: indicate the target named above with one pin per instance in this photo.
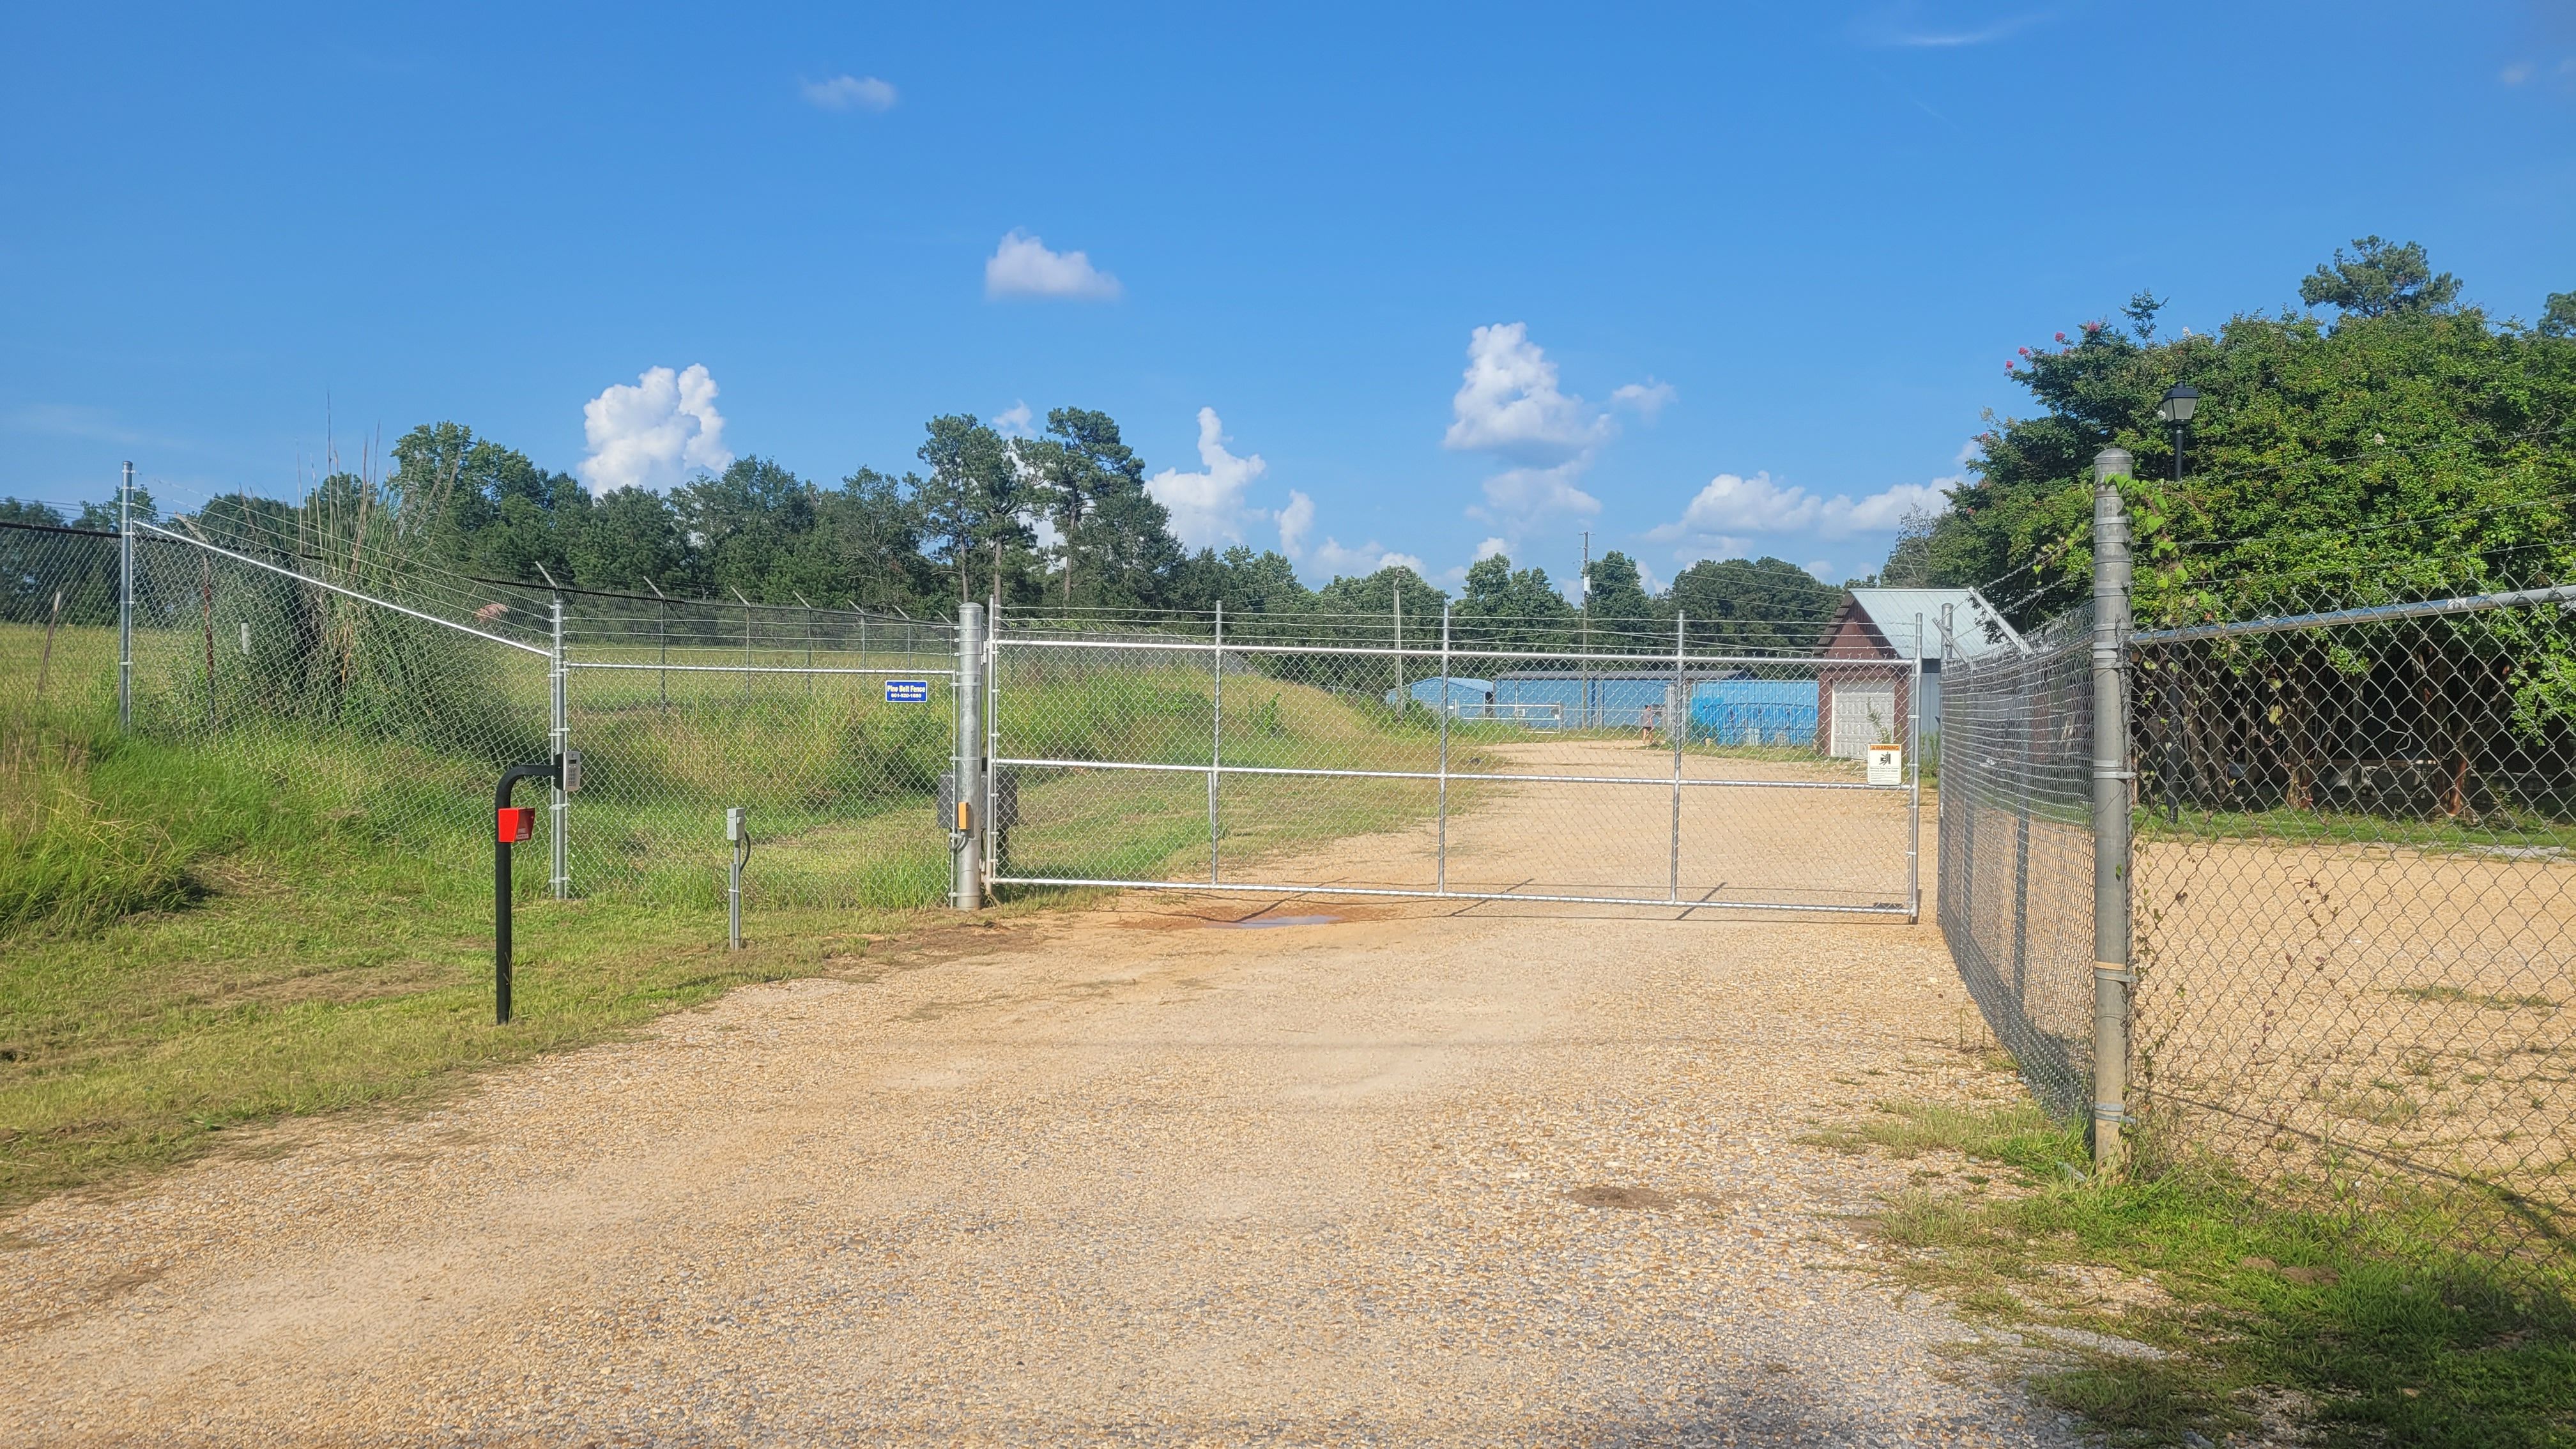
(2176, 410)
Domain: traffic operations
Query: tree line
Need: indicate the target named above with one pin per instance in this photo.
(965, 524)
(2404, 444)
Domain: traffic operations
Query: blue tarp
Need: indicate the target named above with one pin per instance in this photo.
(1755, 711)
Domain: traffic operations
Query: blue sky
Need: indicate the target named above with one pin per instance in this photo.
(1745, 276)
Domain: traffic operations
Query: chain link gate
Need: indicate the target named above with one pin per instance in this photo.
(1248, 755)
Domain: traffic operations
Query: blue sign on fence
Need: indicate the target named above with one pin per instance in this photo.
(907, 691)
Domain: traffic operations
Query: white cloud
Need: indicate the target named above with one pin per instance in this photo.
(850, 93)
(1015, 421)
(1296, 522)
(1022, 266)
(1510, 406)
(1489, 548)
(1823, 569)
(1209, 508)
(2516, 73)
(1733, 505)
(1331, 559)
(1524, 493)
(654, 434)
(1648, 398)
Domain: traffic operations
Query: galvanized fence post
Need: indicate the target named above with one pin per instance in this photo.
(1216, 740)
(2112, 976)
(125, 603)
(1914, 804)
(1441, 865)
(559, 737)
(1677, 721)
(965, 854)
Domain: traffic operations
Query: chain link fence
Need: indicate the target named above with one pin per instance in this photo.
(2016, 846)
(2355, 895)
(327, 655)
(2352, 893)
(1297, 754)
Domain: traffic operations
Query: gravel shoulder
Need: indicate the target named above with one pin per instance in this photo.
(1418, 1174)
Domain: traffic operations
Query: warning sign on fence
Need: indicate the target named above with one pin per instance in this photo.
(1887, 764)
(907, 691)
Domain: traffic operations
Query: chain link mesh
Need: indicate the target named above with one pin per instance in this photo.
(2353, 886)
(1318, 755)
(328, 658)
(2016, 845)
(2355, 895)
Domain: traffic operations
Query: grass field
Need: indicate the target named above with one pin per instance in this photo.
(2386, 1325)
(206, 929)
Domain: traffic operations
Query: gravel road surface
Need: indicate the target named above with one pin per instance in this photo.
(1128, 1174)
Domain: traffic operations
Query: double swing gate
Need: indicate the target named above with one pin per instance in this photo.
(1254, 756)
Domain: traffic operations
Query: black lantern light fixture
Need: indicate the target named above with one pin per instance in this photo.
(2176, 409)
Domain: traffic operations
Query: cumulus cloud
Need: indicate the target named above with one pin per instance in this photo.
(1333, 559)
(1648, 398)
(1510, 406)
(1730, 504)
(1525, 493)
(1022, 266)
(1489, 548)
(850, 93)
(1015, 421)
(1296, 525)
(1209, 508)
(654, 434)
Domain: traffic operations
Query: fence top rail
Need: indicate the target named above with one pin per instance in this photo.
(2563, 594)
(59, 528)
(1630, 663)
(305, 578)
(660, 668)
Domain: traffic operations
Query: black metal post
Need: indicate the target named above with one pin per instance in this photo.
(501, 885)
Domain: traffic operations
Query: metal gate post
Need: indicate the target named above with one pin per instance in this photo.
(125, 603)
(2112, 976)
(992, 651)
(1676, 707)
(1440, 881)
(1216, 739)
(559, 738)
(965, 844)
(1914, 806)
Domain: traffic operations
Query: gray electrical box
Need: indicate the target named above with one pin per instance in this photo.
(570, 770)
(1005, 805)
(733, 823)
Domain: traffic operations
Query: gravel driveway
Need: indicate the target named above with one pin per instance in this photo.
(1118, 1175)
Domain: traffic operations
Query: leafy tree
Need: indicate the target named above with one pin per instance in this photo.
(2379, 280)
(1621, 613)
(972, 500)
(1751, 605)
(1504, 608)
(484, 508)
(2409, 450)
(1909, 558)
(1080, 466)
(631, 542)
(2558, 318)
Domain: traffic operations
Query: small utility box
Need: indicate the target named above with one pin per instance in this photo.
(1887, 764)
